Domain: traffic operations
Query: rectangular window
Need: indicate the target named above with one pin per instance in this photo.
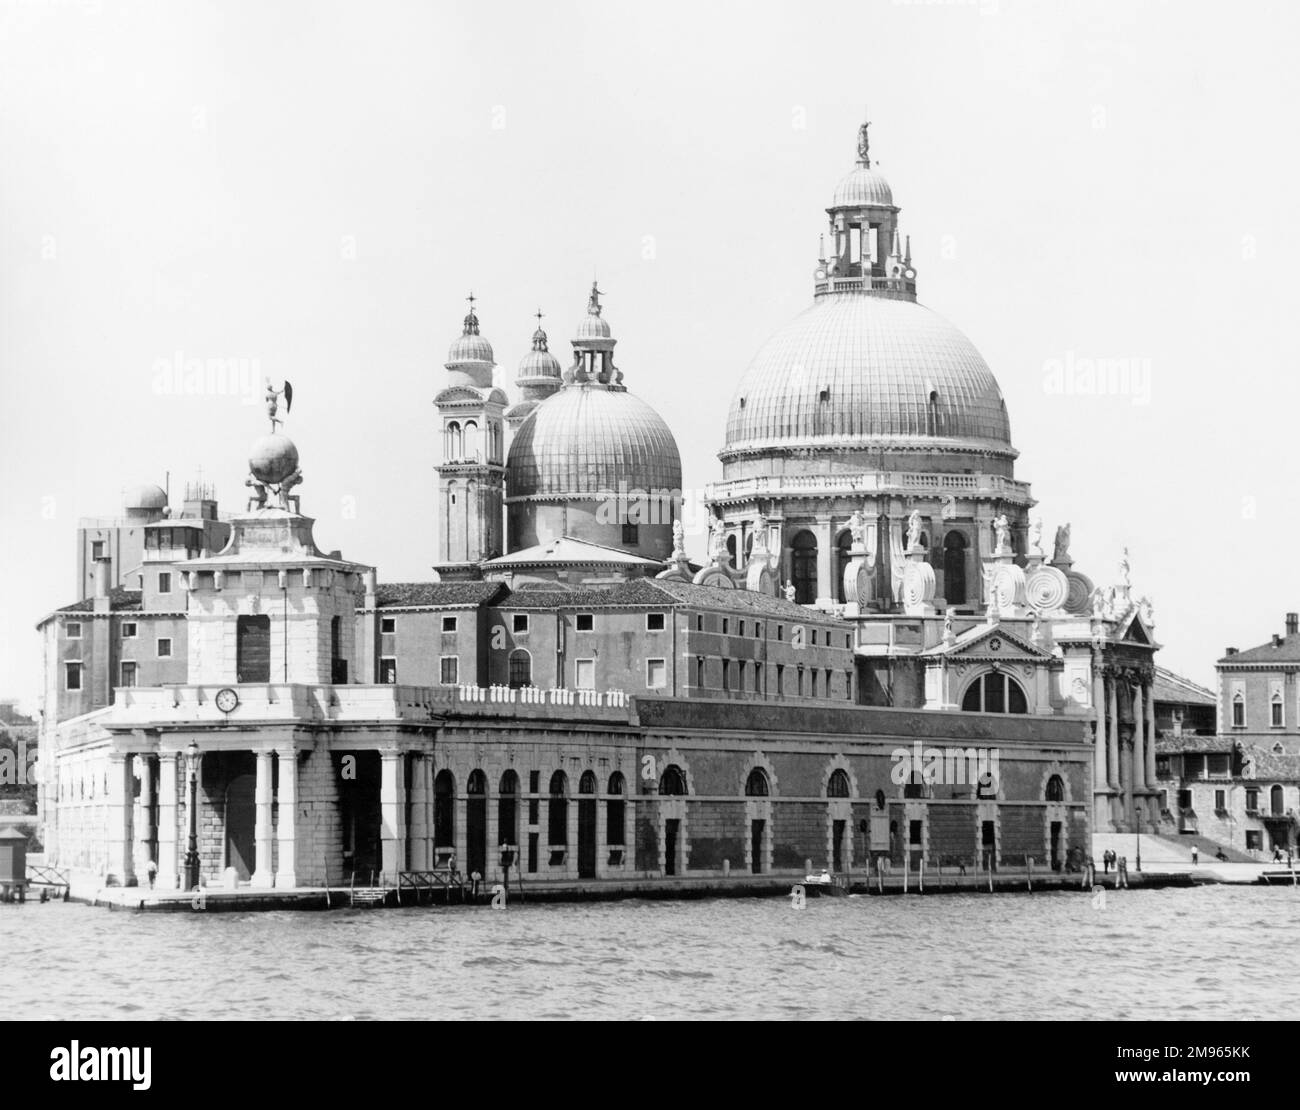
(1277, 714)
(72, 630)
(758, 677)
(699, 622)
(798, 689)
(631, 533)
(699, 671)
(656, 674)
(1254, 840)
(128, 674)
(387, 625)
(253, 649)
(388, 670)
(740, 628)
(1252, 800)
(520, 622)
(758, 630)
(1220, 800)
(584, 622)
(725, 625)
(165, 582)
(449, 624)
(740, 675)
(848, 640)
(128, 630)
(449, 670)
(164, 647)
(726, 674)
(828, 682)
(1238, 714)
(780, 679)
(654, 622)
(848, 685)
(72, 676)
(780, 632)
(97, 549)
(813, 683)
(584, 674)
(814, 637)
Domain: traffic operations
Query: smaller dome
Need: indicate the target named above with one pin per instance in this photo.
(145, 497)
(863, 185)
(470, 348)
(273, 458)
(539, 364)
(593, 327)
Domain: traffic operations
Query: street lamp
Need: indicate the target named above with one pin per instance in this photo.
(192, 848)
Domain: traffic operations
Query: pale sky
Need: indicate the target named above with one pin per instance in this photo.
(315, 187)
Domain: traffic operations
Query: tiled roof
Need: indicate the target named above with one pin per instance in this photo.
(1287, 651)
(714, 597)
(1265, 765)
(1170, 687)
(638, 592)
(568, 550)
(119, 599)
(391, 595)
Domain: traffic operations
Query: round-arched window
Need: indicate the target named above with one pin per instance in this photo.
(756, 786)
(672, 781)
(1055, 789)
(995, 693)
(838, 784)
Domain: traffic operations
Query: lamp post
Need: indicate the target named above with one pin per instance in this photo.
(192, 847)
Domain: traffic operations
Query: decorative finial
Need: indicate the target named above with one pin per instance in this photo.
(273, 396)
(471, 321)
(539, 336)
(864, 145)
(538, 314)
(593, 305)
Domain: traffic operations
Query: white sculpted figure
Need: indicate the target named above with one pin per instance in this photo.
(1002, 530)
(1036, 537)
(857, 529)
(679, 541)
(913, 530)
(1124, 568)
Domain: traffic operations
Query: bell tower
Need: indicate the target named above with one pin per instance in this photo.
(471, 473)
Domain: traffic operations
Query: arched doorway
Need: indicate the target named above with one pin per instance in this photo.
(587, 826)
(557, 816)
(757, 786)
(672, 783)
(803, 567)
(521, 669)
(476, 824)
(615, 817)
(444, 816)
(954, 568)
(508, 810)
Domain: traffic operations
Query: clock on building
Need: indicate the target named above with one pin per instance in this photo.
(227, 700)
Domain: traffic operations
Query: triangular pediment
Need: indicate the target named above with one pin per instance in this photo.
(990, 642)
(1136, 631)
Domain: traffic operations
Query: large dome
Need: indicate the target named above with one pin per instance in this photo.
(585, 440)
(868, 370)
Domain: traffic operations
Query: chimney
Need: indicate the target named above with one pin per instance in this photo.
(1292, 623)
(1230, 651)
(1277, 640)
(100, 602)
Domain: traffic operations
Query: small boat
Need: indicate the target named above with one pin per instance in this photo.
(1279, 875)
(823, 883)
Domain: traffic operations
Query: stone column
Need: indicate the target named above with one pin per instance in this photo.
(1150, 702)
(1099, 740)
(168, 783)
(392, 804)
(1139, 743)
(571, 830)
(263, 838)
(144, 827)
(826, 590)
(419, 814)
(121, 802)
(286, 874)
(492, 863)
(602, 828)
(1112, 737)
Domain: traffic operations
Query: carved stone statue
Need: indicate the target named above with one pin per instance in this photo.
(759, 549)
(1036, 537)
(273, 396)
(1148, 612)
(913, 529)
(1002, 530)
(789, 591)
(1098, 605)
(289, 501)
(257, 500)
(857, 529)
(1124, 569)
(1061, 554)
(679, 541)
(718, 541)
(948, 635)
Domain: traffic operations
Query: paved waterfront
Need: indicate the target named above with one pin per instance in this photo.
(1144, 954)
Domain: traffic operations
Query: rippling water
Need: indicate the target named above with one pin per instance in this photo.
(1146, 954)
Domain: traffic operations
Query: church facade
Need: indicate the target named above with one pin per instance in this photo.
(876, 659)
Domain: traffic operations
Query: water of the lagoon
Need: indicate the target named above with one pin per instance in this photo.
(1210, 952)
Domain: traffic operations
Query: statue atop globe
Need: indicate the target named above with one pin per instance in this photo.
(273, 458)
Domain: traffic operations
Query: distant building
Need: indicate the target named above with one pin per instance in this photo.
(1239, 783)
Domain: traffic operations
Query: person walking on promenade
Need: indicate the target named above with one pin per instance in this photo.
(1196, 855)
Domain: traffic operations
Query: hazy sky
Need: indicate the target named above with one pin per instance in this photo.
(315, 187)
